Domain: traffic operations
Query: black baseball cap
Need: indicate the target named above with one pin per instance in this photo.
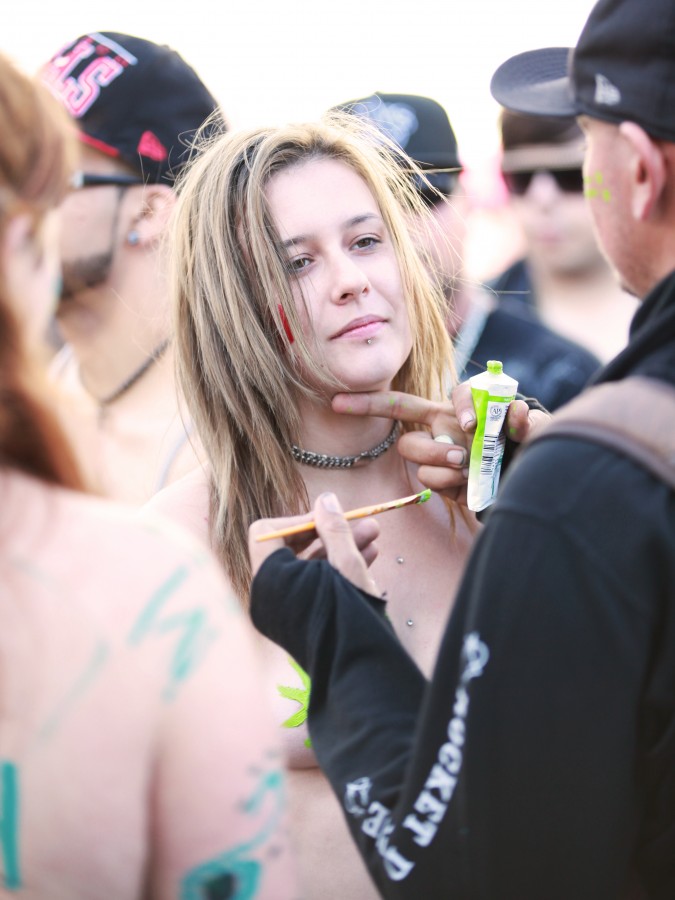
(132, 99)
(421, 128)
(622, 69)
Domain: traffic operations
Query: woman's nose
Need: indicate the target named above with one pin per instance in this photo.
(349, 279)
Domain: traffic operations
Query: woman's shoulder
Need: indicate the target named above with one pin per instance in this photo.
(100, 554)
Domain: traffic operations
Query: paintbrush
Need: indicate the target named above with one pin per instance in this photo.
(360, 513)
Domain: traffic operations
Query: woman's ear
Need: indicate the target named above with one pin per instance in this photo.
(647, 170)
(151, 220)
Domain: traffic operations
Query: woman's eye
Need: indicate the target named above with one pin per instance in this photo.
(299, 263)
(366, 243)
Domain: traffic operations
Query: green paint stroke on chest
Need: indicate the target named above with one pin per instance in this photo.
(9, 824)
(194, 634)
(300, 695)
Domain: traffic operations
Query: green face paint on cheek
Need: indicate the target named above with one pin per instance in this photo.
(593, 188)
(9, 824)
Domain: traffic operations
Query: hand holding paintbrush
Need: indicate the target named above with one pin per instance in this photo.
(359, 513)
(350, 550)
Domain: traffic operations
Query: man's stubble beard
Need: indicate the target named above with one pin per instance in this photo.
(84, 273)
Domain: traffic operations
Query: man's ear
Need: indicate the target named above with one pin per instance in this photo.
(152, 218)
(648, 170)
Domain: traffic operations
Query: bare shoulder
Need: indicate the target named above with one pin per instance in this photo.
(120, 553)
(184, 502)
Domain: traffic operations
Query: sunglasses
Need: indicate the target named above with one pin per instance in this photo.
(569, 181)
(81, 180)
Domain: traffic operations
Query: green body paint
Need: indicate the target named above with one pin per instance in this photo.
(195, 639)
(9, 824)
(301, 696)
(234, 875)
(82, 683)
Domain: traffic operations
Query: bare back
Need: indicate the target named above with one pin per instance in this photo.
(137, 756)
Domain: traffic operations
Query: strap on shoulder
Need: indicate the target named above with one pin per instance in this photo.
(635, 417)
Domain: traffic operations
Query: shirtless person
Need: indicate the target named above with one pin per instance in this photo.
(136, 105)
(137, 758)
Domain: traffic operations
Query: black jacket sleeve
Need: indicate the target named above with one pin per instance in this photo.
(538, 763)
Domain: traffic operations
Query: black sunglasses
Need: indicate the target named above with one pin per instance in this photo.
(85, 179)
(570, 181)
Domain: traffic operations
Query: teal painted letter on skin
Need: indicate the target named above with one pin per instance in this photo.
(9, 824)
(190, 627)
(236, 874)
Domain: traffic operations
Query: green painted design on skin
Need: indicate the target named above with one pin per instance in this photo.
(592, 191)
(196, 635)
(233, 876)
(79, 687)
(300, 695)
(9, 824)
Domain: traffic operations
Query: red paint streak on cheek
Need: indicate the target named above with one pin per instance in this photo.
(284, 322)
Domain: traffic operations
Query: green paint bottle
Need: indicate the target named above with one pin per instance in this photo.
(492, 391)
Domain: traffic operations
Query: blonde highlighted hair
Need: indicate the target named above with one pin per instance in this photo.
(232, 290)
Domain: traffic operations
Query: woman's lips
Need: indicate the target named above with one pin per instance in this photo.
(360, 328)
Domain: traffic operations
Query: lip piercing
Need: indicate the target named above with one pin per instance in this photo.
(369, 341)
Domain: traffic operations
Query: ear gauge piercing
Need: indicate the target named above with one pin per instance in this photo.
(133, 238)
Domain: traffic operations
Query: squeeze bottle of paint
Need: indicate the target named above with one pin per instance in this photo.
(492, 391)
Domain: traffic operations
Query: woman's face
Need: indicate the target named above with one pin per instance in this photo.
(32, 271)
(344, 269)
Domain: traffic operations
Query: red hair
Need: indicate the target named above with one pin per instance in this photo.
(36, 161)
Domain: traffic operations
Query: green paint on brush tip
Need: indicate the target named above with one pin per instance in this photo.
(425, 495)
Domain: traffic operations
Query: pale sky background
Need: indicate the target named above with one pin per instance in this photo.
(269, 61)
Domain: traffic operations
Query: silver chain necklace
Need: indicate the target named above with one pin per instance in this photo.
(323, 461)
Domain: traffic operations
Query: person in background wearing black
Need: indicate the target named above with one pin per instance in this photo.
(563, 275)
(539, 762)
(137, 106)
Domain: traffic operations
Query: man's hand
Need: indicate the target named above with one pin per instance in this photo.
(442, 453)
(348, 546)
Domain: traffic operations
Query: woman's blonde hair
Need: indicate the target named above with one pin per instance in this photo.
(233, 305)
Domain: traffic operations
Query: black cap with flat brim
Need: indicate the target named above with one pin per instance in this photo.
(622, 69)
(536, 83)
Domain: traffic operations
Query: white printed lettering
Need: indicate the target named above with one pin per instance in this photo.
(440, 780)
(450, 756)
(424, 831)
(432, 806)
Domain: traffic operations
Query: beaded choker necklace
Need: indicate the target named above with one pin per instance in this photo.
(323, 461)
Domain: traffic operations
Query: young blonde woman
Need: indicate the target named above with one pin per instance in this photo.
(118, 638)
(295, 277)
